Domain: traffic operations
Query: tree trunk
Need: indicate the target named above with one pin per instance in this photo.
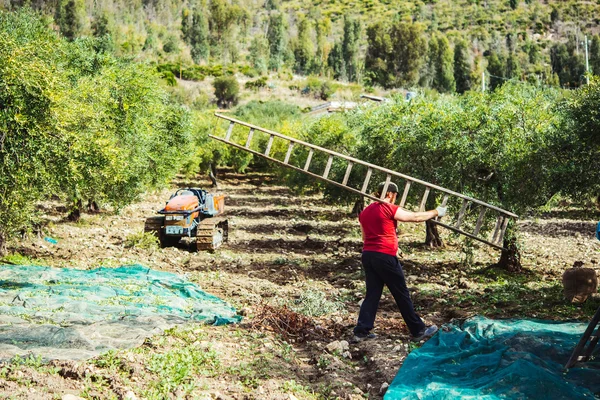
(510, 259)
(93, 206)
(359, 206)
(2, 244)
(432, 236)
(212, 174)
(75, 213)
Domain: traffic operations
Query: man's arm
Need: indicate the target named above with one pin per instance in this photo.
(409, 216)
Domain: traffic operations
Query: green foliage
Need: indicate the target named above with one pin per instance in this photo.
(441, 61)
(319, 88)
(256, 84)
(315, 303)
(277, 40)
(107, 125)
(199, 36)
(304, 51)
(343, 59)
(141, 240)
(567, 63)
(462, 67)
(259, 54)
(395, 54)
(227, 91)
(69, 16)
(176, 369)
(594, 56)
(576, 145)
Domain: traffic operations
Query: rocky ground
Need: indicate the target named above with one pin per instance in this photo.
(292, 269)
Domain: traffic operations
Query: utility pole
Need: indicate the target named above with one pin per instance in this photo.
(587, 63)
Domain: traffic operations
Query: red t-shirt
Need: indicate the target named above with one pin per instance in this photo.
(379, 226)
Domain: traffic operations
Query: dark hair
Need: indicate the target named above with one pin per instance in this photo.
(392, 187)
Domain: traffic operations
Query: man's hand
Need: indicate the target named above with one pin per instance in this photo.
(441, 211)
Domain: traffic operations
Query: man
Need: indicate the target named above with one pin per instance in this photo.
(380, 246)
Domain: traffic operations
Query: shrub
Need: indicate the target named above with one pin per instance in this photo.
(141, 240)
(227, 91)
(256, 84)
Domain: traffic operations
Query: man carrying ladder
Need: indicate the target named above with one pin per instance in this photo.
(378, 223)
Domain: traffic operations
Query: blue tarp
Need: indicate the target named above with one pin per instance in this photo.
(64, 313)
(482, 358)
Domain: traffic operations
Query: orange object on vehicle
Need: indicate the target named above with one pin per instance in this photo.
(182, 203)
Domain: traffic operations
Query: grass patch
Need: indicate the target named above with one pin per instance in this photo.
(314, 303)
(141, 240)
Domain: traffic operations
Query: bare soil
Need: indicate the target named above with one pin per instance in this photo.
(284, 249)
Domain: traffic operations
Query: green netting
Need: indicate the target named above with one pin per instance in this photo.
(497, 359)
(62, 313)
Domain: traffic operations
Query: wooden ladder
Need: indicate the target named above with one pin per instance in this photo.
(492, 237)
(581, 352)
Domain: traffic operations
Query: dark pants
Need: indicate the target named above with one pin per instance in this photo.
(383, 269)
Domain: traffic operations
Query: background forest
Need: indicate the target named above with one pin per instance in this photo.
(446, 45)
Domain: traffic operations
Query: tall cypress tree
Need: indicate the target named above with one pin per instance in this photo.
(69, 17)
(276, 39)
(462, 67)
(408, 52)
(497, 69)
(259, 54)
(336, 62)
(350, 43)
(199, 36)
(594, 55)
(304, 51)
(443, 65)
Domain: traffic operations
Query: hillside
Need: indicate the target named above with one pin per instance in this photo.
(510, 39)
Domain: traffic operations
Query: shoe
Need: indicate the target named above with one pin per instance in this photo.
(361, 337)
(425, 333)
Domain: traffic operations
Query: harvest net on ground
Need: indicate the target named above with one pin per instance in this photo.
(492, 359)
(62, 313)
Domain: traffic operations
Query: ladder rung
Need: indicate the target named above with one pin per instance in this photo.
(269, 144)
(479, 221)
(496, 229)
(405, 194)
(503, 230)
(250, 134)
(367, 179)
(388, 178)
(348, 170)
(289, 153)
(229, 130)
(461, 214)
(308, 159)
(424, 199)
(328, 167)
(444, 202)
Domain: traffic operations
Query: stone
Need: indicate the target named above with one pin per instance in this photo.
(338, 346)
(71, 397)
(579, 283)
(130, 396)
(445, 276)
(463, 283)
(384, 387)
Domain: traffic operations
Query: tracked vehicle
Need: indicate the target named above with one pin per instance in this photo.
(192, 213)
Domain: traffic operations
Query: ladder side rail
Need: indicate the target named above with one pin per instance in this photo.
(366, 164)
(582, 342)
(357, 191)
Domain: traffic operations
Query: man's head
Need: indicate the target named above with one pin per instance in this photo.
(392, 190)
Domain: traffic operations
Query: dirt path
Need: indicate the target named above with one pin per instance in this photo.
(297, 252)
